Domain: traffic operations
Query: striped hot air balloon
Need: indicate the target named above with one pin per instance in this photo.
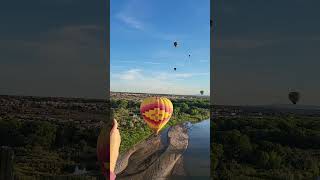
(156, 112)
(103, 150)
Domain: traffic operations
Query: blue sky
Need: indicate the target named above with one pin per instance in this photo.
(264, 49)
(142, 52)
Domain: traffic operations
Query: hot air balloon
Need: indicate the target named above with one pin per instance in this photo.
(175, 69)
(201, 92)
(294, 97)
(175, 44)
(156, 112)
(103, 150)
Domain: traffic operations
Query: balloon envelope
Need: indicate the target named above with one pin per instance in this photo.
(156, 112)
(103, 150)
(175, 44)
(294, 97)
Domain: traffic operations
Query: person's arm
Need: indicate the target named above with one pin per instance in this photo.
(115, 140)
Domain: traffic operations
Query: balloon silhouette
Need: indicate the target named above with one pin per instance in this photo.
(103, 150)
(294, 97)
(156, 112)
(201, 92)
(175, 44)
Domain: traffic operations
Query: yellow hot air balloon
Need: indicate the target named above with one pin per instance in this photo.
(156, 112)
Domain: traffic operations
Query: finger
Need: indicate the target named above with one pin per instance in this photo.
(115, 124)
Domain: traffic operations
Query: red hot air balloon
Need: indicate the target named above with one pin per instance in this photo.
(156, 112)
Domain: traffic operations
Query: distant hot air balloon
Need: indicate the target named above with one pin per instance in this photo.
(294, 97)
(156, 112)
(103, 150)
(175, 44)
(201, 92)
(175, 69)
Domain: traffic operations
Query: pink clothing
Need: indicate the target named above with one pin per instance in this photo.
(112, 176)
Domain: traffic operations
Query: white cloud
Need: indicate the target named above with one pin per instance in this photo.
(188, 75)
(135, 80)
(184, 75)
(154, 85)
(137, 62)
(130, 21)
(132, 74)
(137, 74)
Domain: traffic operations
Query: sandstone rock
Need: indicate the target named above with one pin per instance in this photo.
(158, 157)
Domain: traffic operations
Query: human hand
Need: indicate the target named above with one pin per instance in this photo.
(115, 140)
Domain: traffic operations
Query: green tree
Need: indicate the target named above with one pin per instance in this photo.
(275, 160)
(263, 160)
(10, 133)
(184, 107)
(44, 134)
(216, 155)
(176, 110)
(194, 111)
(237, 145)
(122, 104)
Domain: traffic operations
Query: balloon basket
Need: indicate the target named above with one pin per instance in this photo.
(155, 133)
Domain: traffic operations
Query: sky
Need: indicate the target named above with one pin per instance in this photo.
(53, 48)
(264, 49)
(142, 55)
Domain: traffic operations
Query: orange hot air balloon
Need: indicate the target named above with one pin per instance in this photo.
(156, 112)
(103, 150)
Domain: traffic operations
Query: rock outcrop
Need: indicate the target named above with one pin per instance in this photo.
(158, 157)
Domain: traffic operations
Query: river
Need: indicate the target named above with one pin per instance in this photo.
(197, 156)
